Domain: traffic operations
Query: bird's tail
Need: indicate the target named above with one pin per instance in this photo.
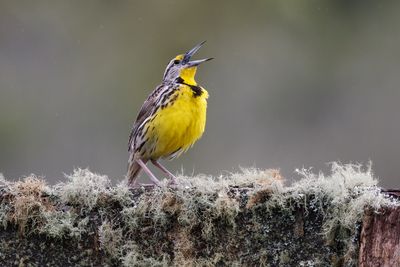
(133, 171)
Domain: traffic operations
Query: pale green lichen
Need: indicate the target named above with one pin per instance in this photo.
(3, 181)
(221, 215)
(4, 209)
(134, 258)
(110, 239)
(60, 224)
(348, 189)
(83, 188)
(250, 177)
(120, 193)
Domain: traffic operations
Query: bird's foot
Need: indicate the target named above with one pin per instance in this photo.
(173, 182)
(142, 185)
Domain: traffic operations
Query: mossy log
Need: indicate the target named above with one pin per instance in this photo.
(247, 219)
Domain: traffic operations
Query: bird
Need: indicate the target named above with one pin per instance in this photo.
(171, 119)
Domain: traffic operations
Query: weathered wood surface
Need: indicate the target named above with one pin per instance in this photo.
(380, 237)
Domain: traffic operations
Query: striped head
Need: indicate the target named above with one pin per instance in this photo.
(181, 68)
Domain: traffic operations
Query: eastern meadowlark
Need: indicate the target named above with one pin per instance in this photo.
(171, 120)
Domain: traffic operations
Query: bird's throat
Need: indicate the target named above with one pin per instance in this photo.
(187, 74)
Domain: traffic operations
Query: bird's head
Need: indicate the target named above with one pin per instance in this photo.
(180, 67)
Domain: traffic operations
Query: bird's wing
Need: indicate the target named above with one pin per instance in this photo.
(145, 111)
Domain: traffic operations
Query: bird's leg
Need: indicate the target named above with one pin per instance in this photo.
(149, 173)
(133, 183)
(164, 170)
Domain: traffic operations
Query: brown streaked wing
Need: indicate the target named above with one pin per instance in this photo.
(145, 111)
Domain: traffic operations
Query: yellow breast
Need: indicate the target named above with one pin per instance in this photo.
(178, 125)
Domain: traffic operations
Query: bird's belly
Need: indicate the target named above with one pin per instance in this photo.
(177, 126)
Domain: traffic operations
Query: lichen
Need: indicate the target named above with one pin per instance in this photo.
(26, 203)
(348, 190)
(59, 224)
(83, 188)
(245, 218)
(134, 258)
(110, 239)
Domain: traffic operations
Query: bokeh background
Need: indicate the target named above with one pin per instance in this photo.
(293, 83)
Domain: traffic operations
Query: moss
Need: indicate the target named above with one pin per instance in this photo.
(27, 203)
(60, 225)
(110, 239)
(248, 218)
(83, 188)
(284, 258)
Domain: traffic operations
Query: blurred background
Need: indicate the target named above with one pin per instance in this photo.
(293, 83)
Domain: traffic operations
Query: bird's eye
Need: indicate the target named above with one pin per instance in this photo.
(176, 61)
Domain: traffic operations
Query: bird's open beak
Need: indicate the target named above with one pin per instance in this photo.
(190, 53)
(197, 62)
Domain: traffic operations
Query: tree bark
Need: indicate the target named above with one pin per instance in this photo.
(380, 237)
